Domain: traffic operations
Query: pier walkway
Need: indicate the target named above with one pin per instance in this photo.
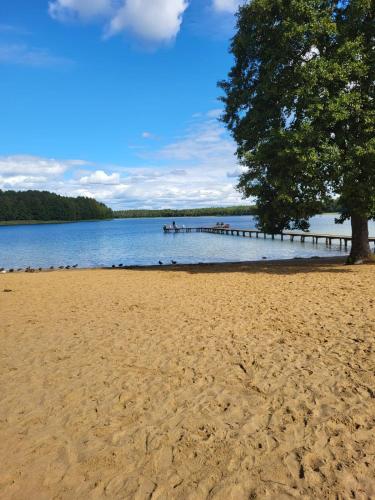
(342, 239)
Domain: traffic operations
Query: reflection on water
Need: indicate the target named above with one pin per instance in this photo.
(142, 242)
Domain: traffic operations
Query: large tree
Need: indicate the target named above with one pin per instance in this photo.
(300, 103)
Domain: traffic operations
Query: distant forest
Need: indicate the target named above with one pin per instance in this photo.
(186, 212)
(331, 206)
(45, 206)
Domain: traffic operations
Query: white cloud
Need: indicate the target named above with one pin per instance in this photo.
(100, 177)
(204, 142)
(195, 170)
(64, 10)
(159, 20)
(148, 135)
(35, 166)
(226, 5)
(215, 113)
(236, 173)
(21, 181)
(152, 20)
(22, 54)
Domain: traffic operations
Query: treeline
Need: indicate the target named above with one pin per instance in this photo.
(330, 206)
(46, 206)
(186, 212)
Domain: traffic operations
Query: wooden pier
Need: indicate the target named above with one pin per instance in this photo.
(342, 239)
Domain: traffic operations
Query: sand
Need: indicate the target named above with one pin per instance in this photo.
(223, 382)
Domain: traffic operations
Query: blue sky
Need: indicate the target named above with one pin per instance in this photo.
(117, 99)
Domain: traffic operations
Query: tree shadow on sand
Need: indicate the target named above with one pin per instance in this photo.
(331, 265)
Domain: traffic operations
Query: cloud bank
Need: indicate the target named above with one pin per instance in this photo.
(197, 169)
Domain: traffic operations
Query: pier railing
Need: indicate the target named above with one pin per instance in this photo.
(342, 239)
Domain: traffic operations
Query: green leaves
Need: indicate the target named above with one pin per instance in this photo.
(299, 102)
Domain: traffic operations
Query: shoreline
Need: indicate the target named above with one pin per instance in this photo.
(12, 223)
(37, 222)
(184, 266)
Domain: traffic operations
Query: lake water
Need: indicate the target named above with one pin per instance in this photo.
(142, 242)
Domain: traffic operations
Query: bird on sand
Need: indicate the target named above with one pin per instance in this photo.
(173, 262)
(160, 263)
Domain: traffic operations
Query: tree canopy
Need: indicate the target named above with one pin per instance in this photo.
(300, 103)
(45, 206)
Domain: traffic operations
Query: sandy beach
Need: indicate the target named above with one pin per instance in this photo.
(227, 382)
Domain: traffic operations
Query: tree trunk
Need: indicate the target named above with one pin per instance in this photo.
(360, 245)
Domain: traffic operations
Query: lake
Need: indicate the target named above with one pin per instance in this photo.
(142, 242)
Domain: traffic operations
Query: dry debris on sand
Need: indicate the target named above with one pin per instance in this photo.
(224, 382)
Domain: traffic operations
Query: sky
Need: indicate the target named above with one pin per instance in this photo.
(117, 100)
